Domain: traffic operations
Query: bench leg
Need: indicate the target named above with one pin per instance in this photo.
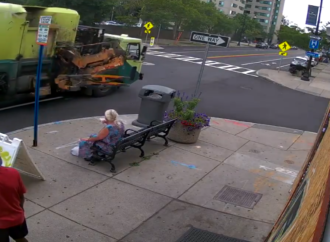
(140, 148)
(164, 138)
(142, 151)
(113, 168)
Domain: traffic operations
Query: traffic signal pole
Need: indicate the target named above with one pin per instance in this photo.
(309, 65)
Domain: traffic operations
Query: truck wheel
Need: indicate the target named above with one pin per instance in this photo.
(103, 91)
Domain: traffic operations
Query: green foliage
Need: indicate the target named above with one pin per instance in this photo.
(185, 109)
(294, 36)
(185, 15)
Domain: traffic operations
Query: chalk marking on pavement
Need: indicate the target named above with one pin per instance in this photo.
(214, 64)
(68, 145)
(266, 61)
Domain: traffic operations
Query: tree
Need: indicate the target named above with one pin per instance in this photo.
(248, 26)
(294, 36)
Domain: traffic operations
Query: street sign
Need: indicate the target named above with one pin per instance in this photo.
(42, 35)
(212, 39)
(312, 54)
(283, 53)
(284, 46)
(314, 44)
(152, 41)
(148, 26)
(312, 15)
(45, 20)
(43, 29)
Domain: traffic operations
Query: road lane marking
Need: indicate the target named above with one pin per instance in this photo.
(244, 55)
(266, 61)
(188, 51)
(29, 103)
(214, 64)
(282, 66)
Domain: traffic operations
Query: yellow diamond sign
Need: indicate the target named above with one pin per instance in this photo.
(148, 26)
(283, 53)
(284, 46)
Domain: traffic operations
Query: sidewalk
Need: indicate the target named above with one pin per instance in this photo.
(319, 85)
(161, 196)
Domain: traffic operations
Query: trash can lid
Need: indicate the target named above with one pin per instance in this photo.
(159, 89)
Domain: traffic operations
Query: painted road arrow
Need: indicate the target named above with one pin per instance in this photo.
(216, 40)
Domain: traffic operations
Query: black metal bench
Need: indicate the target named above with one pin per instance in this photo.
(132, 139)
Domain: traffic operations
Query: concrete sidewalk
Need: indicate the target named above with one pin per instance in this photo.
(172, 189)
(319, 85)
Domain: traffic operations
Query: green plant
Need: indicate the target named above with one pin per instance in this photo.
(184, 112)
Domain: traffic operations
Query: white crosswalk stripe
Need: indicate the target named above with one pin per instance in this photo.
(154, 47)
(214, 64)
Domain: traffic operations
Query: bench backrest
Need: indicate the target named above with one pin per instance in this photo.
(163, 127)
(139, 137)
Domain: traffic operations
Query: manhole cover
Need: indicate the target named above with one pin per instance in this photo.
(199, 235)
(238, 197)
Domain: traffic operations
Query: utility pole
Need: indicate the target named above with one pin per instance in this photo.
(242, 30)
(309, 65)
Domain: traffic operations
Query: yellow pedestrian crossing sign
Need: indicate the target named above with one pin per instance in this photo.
(284, 46)
(282, 53)
(148, 26)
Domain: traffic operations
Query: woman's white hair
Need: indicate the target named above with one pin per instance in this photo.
(111, 115)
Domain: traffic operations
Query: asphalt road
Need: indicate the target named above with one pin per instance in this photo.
(225, 94)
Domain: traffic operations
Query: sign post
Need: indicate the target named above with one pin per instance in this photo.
(152, 41)
(148, 26)
(284, 48)
(208, 39)
(42, 39)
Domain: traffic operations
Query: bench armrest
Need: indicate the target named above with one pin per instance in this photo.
(130, 131)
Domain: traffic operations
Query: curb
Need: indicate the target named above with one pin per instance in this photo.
(269, 127)
(296, 89)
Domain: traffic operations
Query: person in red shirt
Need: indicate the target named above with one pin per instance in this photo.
(12, 218)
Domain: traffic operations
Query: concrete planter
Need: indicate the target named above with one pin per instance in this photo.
(180, 134)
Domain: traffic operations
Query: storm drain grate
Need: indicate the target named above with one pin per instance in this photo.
(238, 197)
(199, 235)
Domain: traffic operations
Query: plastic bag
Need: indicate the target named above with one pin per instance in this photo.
(75, 151)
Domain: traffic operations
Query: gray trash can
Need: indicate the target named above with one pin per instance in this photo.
(155, 101)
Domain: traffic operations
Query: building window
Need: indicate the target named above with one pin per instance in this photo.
(241, 8)
(263, 21)
(247, 12)
(263, 14)
(248, 6)
(234, 5)
(221, 3)
(220, 10)
(232, 12)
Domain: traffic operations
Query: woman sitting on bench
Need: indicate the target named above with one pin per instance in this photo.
(110, 134)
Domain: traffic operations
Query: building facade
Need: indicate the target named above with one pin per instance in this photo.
(267, 12)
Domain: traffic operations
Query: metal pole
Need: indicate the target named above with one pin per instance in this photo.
(158, 33)
(309, 66)
(240, 36)
(280, 64)
(201, 70)
(36, 99)
(147, 36)
(113, 9)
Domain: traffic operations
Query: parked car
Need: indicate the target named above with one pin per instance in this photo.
(262, 45)
(274, 46)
